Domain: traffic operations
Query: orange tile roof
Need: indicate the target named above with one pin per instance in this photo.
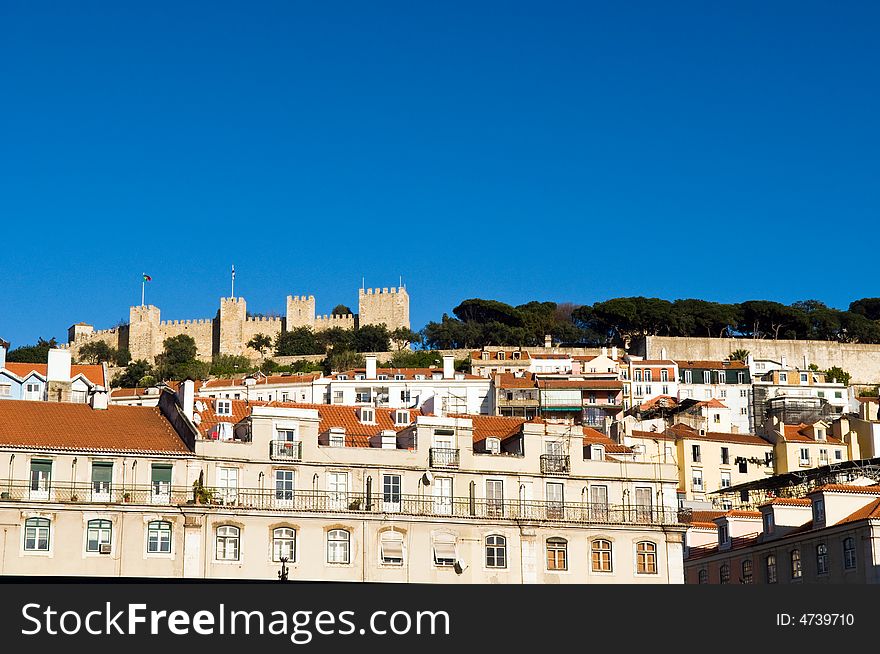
(712, 404)
(795, 433)
(271, 380)
(208, 418)
(551, 356)
(477, 355)
(509, 380)
(500, 427)
(720, 365)
(671, 402)
(739, 513)
(93, 373)
(685, 432)
(581, 383)
(653, 362)
(706, 516)
(847, 488)
(703, 525)
(788, 501)
(408, 373)
(595, 437)
(69, 426)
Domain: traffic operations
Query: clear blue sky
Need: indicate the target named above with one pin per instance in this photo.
(554, 151)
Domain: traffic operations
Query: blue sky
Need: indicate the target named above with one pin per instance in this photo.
(554, 151)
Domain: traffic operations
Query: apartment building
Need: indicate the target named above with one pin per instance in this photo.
(491, 361)
(338, 492)
(729, 382)
(57, 380)
(515, 395)
(827, 536)
(801, 446)
(651, 378)
(796, 396)
(286, 387)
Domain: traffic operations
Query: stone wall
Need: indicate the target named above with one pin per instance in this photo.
(115, 338)
(389, 306)
(862, 361)
(201, 331)
(271, 327)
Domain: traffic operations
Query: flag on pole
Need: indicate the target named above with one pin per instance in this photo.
(147, 278)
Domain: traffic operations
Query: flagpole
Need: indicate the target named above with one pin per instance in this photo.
(143, 287)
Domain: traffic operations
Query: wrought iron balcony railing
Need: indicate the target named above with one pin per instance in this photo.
(444, 457)
(285, 450)
(297, 501)
(555, 464)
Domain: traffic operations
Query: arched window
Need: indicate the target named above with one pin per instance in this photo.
(796, 571)
(557, 554)
(284, 543)
(601, 555)
(391, 548)
(747, 571)
(228, 542)
(36, 534)
(99, 533)
(159, 537)
(646, 558)
(703, 577)
(724, 573)
(496, 551)
(338, 546)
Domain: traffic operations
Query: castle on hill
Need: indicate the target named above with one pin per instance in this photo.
(231, 328)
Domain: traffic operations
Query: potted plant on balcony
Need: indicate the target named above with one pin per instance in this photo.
(201, 495)
(354, 505)
(126, 497)
(74, 497)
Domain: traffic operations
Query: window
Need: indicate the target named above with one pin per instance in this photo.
(747, 571)
(648, 376)
(382, 377)
(804, 378)
(368, 415)
(695, 453)
(822, 559)
(338, 397)
(741, 379)
(664, 390)
(228, 538)
(725, 455)
(743, 465)
(838, 394)
(771, 568)
(391, 548)
(160, 482)
(443, 495)
(664, 375)
(494, 497)
(697, 478)
(284, 484)
(41, 476)
(849, 553)
(337, 487)
(688, 376)
(36, 535)
(716, 418)
(493, 445)
(284, 544)
(77, 397)
(724, 573)
(648, 390)
(223, 408)
(723, 534)
(722, 377)
(227, 481)
(707, 377)
(703, 577)
(838, 455)
(557, 554)
(723, 397)
(646, 558)
(338, 546)
(601, 555)
(743, 392)
(768, 523)
(783, 377)
(399, 377)
(401, 418)
(391, 494)
(725, 479)
(804, 456)
(98, 534)
(599, 502)
(796, 570)
(555, 500)
(5, 390)
(32, 392)
(644, 511)
(159, 537)
(337, 439)
(819, 510)
(496, 552)
(102, 476)
(444, 549)
(638, 375)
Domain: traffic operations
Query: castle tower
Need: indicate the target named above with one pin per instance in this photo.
(233, 311)
(79, 330)
(144, 335)
(300, 311)
(389, 306)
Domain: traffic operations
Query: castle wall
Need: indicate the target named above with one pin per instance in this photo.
(201, 331)
(300, 311)
(115, 338)
(388, 306)
(328, 322)
(271, 327)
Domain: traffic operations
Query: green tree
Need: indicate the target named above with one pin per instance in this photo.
(484, 311)
(38, 353)
(336, 339)
(837, 374)
(135, 375)
(371, 338)
(341, 310)
(403, 337)
(341, 360)
(415, 359)
(178, 359)
(869, 307)
(225, 365)
(739, 354)
(123, 357)
(96, 352)
(261, 343)
(300, 340)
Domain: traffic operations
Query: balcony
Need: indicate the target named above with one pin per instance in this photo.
(339, 502)
(444, 457)
(285, 450)
(555, 464)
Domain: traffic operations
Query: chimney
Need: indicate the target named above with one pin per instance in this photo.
(614, 352)
(783, 361)
(186, 393)
(99, 400)
(3, 346)
(59, 365)
(575, 367)
(448, 366)
(604, 351)
(371, 366)
(663, 353)
(548, 341)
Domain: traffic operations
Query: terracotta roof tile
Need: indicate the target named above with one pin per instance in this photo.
(796, 433)
(477, 355)
(271, 380)
(739, 513)
(509, 380)
(612, 384)
(595, 437)
(788, 501)
(686, 432)
(93, 373)
(706, 516)
(870, 511)
(847, 488)
(713, 365)
(73, 426)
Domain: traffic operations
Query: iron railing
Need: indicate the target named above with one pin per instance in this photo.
(298, 501)
(555, 464)
(444, 457)
(285, 450)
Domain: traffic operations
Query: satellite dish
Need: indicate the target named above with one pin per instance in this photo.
(460, 566)
(428, 478)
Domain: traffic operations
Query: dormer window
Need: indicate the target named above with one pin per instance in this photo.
(493, 445)
(224, 431)
(223, 407)
(399, 377)
(484, 355)
(768, 523)
(360, 376)
(820, 434)
(436, 375)
(818, 511)
(723, 534)
(342, 377)
(804, 378)
(367, 415)
(382, 378)
(783, 377)
(516, 355)
(501, 356)
(420, 377)
(597, 453)
(337, 438)
(401, 418)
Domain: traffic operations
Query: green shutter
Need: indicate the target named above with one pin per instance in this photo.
(41, 466)
(161, 473)
(102, 472)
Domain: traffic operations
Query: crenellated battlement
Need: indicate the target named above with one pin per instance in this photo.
(383, 291)
(266, 319)
(300, 298)
(232, 300)
(335, 318)
(185, 323)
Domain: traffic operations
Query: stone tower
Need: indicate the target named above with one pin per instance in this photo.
(389, 306)
(300, 311)
(233, 311)
(144, 332)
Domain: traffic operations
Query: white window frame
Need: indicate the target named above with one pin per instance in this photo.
(223, 407)
(229, 536)
(158, 528)
(387, 541)
(284, 543)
